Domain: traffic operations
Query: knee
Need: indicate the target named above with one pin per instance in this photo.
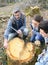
(11, 35)
(25, 32)
(38, 37)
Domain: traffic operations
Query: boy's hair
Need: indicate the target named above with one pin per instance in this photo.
(44, 26)
(38, 18)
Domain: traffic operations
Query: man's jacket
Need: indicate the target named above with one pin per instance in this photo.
(16, 24)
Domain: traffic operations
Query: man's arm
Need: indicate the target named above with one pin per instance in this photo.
(7, 31)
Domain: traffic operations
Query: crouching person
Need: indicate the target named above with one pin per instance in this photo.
(16, 26)
(34, 25)
(43, 57)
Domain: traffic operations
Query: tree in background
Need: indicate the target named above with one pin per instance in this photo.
(41, 3)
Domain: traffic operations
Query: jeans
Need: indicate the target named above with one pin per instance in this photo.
(37, 36)
(13, 35)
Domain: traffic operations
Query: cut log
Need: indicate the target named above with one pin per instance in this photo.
(15, 47)
(27, 53)
(18, 50)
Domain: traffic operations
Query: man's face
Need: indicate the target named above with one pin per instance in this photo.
(35, 23)
(42, 32)
(17, 15)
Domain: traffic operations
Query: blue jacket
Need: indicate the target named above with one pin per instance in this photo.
(36, 35)
(16, 24)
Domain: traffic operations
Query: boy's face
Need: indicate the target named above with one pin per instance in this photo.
(35, 23)
(17, 15)
(42, 32)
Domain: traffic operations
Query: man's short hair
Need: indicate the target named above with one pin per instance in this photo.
(44, 26)
(38, 18)
(16, 10)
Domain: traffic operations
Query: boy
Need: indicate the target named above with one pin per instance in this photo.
(34, 25)
(43, 57)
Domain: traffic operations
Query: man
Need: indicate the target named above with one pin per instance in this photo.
(34, 25)
(16, 26)
(43, 57)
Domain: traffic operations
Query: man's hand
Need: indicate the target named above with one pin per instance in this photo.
(5, 43)
(20, 33)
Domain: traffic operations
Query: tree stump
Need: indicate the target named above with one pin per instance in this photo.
(20, 52)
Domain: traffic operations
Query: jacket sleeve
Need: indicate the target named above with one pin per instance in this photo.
(24, 24)
(8, 29)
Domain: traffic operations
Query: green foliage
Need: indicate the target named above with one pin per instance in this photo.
(3, 58)
(31, 11)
